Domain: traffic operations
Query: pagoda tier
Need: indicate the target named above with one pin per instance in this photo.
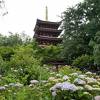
(44, 40)
(47, 24)
(47, 32)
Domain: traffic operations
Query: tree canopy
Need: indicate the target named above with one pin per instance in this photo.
(80, 24)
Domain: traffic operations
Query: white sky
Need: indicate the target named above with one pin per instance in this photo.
(22, 14)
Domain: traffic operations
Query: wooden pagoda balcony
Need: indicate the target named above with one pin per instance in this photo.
(47, 31)
(45, 40)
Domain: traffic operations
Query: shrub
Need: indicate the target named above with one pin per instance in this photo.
(83, 61)
(6, 53)
(67, 70)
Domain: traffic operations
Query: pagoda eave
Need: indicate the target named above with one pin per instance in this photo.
(41, 29)
(47, 23)
(48, 38)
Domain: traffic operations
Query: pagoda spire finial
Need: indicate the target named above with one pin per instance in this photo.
(46, 13)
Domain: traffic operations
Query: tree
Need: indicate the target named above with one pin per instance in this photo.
(96, 47)
(3, 10)
(80, 24)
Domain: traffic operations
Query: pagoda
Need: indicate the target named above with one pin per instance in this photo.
(47, 32)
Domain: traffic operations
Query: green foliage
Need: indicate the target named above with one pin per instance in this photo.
(51, 53)
(83, 61)
(22, 56)
(97, 54)
(6, 53)
(12, 40)
(96, 48)
(66, 70)
(80, 29)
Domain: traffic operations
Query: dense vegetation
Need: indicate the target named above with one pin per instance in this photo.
(25, 76)
(81, 25)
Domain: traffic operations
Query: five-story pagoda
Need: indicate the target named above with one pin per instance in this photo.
(47, 32)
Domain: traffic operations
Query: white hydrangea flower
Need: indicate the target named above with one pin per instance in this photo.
(96, 89)
(82, 76)
(54, 94)
(18, 85)
(15, 70)
(31, 85)
(80, 88)
(65, 77)
(88, 87)
(74, 74)
(52, 73)
(15, 84)
(91, 80)
(87, 93)
(12, 84)
(51, 78)
(44, 81)
(95, 86)
(34, 81)
(58, 75)
(79, 81)
(2, 88)
(6, 85)
(88, 73)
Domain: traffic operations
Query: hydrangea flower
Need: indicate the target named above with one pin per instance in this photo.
(68, 86)
(15, 84)
(51, 78)
(64, 86)
(80, 88)
(74, 74)
(91, 80)
(44, 81)
(79, 81)
(2, 88)
(82, 76)
(34, 81)
(88, 73)
(96, 89)
(12, 84)
(97, 98)
(58, 75)
(88, 87)
(18, 85)
(52, 73)
(65, 77)
(6, 85)
(56, 86)
(54, 93)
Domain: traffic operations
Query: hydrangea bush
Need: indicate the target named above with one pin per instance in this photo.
(76, 86)
(68, 84)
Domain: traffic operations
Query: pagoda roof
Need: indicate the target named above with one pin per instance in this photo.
(39, 22)
(37, 29)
